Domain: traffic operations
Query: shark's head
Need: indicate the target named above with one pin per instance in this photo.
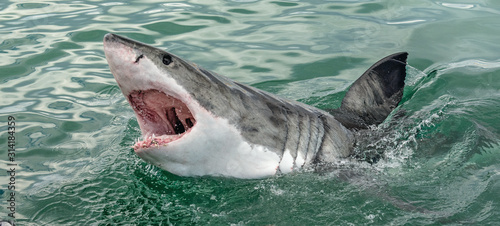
(174, 102)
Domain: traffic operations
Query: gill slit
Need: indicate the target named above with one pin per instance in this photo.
(321, 137)
(284, 143)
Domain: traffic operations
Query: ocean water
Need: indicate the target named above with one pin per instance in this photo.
(73, 129)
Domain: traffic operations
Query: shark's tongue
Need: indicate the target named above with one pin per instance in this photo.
(162, 118)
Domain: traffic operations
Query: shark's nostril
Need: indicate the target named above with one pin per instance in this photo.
(138, 58)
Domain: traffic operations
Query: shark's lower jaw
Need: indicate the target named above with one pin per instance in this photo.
(162, 118)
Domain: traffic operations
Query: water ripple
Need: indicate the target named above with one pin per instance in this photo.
(75, 127)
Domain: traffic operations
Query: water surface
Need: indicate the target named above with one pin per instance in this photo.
(74, 129)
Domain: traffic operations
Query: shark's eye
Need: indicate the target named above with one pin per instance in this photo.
(167, 59)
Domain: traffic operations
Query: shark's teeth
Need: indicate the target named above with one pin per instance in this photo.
(153, 141)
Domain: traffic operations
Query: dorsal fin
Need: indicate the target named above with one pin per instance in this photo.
(375, 94)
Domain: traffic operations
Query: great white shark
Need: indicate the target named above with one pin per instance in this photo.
(195, 122)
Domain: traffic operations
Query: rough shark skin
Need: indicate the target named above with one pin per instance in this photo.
(195, 122)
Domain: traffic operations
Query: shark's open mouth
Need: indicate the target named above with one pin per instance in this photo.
(162, 118)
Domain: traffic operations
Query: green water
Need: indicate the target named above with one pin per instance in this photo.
(74, 129)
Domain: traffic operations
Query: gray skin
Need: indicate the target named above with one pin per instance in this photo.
(271, 121)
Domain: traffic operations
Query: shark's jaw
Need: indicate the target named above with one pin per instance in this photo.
(179, 134)
(162, 118)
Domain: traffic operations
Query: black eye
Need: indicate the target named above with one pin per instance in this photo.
(167, 59)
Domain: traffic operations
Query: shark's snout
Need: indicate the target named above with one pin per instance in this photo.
(109, 37)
